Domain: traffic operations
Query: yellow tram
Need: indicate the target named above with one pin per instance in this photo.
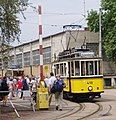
(82, 73)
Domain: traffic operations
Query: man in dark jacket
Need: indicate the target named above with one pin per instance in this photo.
(5, 90)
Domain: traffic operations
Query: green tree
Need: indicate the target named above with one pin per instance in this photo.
(9, 22)
(108, 26)
(93, 21)
(9, 26)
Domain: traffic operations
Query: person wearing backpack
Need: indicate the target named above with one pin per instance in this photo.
(51, 81)
(25, 86)
(59, 85)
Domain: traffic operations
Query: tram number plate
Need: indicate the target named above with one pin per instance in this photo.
(90, 82)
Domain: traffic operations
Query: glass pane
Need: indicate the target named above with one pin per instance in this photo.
(61, 69)
(65, 69)
(57, 69)
(72, 69)
(77, 68)
(96, 68)
(91, 67)
(82, 68)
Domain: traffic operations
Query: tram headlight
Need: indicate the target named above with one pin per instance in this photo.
(90, 88)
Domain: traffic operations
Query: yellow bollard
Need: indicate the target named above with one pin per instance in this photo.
(42, 97)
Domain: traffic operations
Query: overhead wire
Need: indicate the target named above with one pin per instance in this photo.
(56, 25)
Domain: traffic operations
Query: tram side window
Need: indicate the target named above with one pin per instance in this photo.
(77, 68)
(61, 69)
(87, 68)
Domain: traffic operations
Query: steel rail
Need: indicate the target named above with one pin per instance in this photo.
(100, 107)
(70, 112)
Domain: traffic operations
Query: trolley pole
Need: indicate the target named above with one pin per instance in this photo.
(40, 43)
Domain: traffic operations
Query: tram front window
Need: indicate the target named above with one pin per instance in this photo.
(57, 69)
(77, 69)
(90, 68)
(87, 68)
(65, 69)
(61, 69)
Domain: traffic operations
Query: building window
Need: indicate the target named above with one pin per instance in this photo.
(19, 60)
(77, 68)
(5, 62)
(36, 57)
(107, 81)
(11, 62)
(27, 58)
(47, 55)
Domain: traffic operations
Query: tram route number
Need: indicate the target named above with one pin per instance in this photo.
(90, 82)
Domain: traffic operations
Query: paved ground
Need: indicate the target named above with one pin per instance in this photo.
(26, 112)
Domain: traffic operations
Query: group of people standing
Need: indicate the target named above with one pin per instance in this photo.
(11, 87)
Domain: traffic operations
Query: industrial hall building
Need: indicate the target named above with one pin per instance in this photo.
(25, 57)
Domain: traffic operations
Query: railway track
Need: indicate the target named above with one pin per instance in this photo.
(71, 111)
(83, 111)
(93, 112)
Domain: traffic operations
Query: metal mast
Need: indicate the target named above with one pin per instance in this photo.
(100, 41)
(40, 43)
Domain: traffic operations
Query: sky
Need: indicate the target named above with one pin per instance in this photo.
(55, 14)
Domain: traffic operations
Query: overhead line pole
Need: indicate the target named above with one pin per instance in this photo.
(100, 38)
(40, 43)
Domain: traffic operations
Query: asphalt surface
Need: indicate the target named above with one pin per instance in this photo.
(26, 112)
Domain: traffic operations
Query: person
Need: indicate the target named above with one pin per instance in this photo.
(19, 86)
(25, 85)
(5, 89)
(11, 86)
(46, 81)
(15, 91)
(33, 88)
(52, 79)
(59, 93)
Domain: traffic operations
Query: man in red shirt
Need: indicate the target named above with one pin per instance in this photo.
(19, 87)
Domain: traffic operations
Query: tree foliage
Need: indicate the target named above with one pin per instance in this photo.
(9, 26)
(108, 26)
(93, 21)
(9, 22)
